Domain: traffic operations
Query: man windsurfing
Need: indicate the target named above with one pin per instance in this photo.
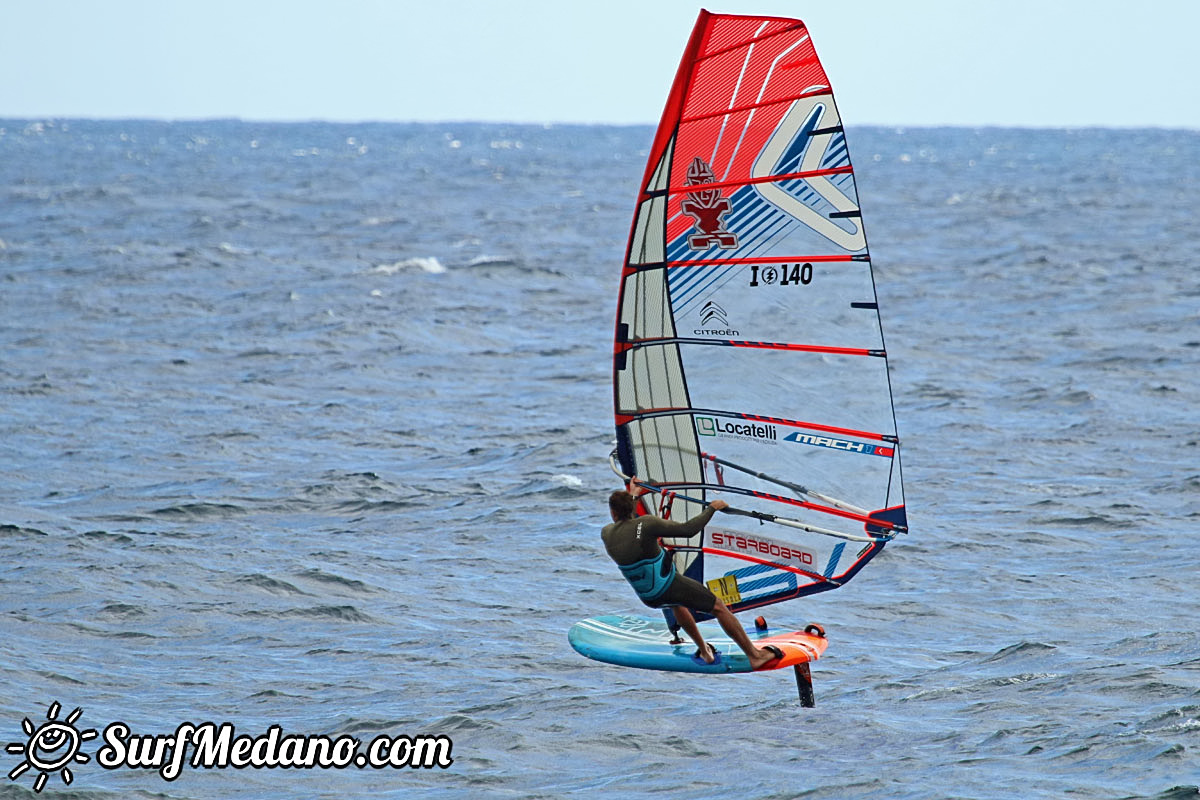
(632, 542)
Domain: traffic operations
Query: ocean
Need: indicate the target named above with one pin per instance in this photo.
(306, 425)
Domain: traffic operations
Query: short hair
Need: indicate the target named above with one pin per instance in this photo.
(622, 504)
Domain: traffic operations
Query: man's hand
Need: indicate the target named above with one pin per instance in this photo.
(718, 505)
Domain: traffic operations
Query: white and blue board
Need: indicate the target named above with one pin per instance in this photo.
(629, 640)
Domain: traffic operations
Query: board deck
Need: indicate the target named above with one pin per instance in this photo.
(636, 641)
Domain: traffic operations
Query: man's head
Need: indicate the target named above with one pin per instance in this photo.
(622, 505)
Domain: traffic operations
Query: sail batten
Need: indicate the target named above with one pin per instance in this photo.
(808, 348)
(792, 423)
(750, 107)
(787, 176)
(749, 361)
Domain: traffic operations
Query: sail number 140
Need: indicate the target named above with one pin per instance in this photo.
(784, 274)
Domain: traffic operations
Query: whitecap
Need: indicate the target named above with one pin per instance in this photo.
(491, 261)
(428, 264)
(566, 480)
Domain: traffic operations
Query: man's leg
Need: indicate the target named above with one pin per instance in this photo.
(687, 595)
(735, 631)
(686, 621)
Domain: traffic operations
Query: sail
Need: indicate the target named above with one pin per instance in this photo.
(749, 361)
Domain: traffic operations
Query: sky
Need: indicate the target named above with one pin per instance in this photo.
(1043, 63)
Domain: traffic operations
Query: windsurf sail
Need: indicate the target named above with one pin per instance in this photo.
(749, 361)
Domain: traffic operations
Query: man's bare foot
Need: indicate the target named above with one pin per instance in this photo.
(706, 653)
(763, 656)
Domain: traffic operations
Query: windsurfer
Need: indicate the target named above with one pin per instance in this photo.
(632, 542)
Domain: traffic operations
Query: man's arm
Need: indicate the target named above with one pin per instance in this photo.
(669, 529)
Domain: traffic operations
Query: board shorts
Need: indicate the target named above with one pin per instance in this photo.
(683, 591)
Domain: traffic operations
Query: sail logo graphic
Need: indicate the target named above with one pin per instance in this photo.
(713, 314)
(759, 546)
(707, 208)
(51, 747)
(711, 426)
(786, 274)
(809, 138)
(840, 444)
(713, 311)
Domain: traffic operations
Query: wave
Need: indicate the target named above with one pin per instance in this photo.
(427, 264)
(199, 510)
(268, 584)
(315, 574)
(340, 613)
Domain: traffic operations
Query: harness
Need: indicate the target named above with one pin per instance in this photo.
(650, 577)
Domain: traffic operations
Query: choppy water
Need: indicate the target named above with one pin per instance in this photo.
(306, 425)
